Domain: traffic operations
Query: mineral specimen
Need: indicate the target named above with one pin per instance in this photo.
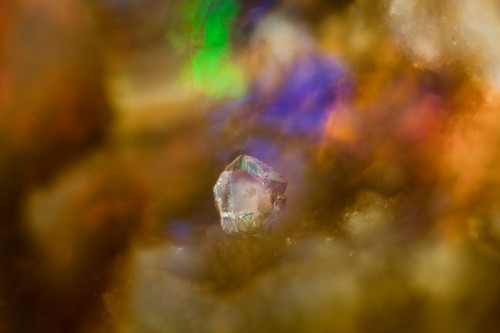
(249, 196)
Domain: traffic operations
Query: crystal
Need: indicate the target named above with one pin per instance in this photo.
(249, 196)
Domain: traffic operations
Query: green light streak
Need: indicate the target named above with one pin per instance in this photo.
(209, 28)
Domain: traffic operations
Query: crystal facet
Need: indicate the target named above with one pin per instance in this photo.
(249, 196)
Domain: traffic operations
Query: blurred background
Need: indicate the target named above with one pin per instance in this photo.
(118, 116)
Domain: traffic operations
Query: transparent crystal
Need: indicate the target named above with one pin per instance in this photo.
(249, 196)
